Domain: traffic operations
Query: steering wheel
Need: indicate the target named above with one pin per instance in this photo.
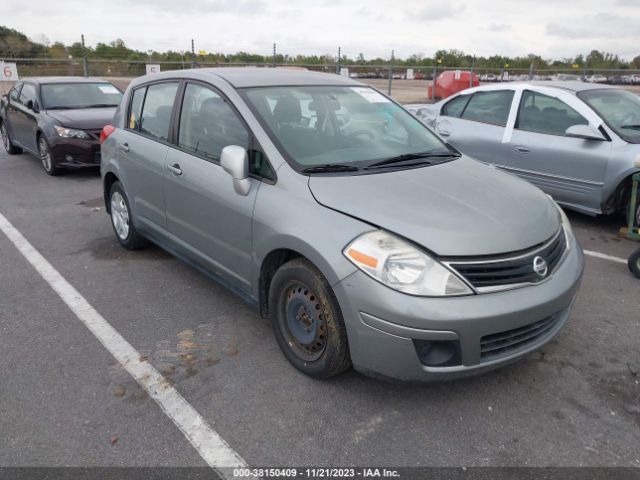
(630, 119)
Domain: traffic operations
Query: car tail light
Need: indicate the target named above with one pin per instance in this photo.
(106, 131)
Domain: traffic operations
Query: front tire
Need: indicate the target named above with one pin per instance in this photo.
(121, 219)
(307, 321)
(634, 263)
(46, 157)
(6, 140)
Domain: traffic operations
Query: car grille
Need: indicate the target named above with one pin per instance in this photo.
(501, 344)
(502, 273)
(95, 134)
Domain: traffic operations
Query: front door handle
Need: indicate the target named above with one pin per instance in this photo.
(175, 169)
(125, 146)
(444, 133)
(521, 149)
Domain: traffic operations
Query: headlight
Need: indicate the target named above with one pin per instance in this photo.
(71, 133)
(566, 224)
(401, 266)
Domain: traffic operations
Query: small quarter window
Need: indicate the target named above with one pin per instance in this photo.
(136, 108)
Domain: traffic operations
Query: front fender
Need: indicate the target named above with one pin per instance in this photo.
(286, 216)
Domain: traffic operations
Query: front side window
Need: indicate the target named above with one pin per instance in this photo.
(544, 114)
(15, 92)
(320, 126)
(618, 108)
(455, 107)
(27, 93)
(489, 107)
(156, 110)
(208, 123)
(79, 95)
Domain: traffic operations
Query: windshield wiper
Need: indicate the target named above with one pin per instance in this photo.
(412, 156)
(99, 105)
(330, 168)
(632, 127)
(60, 107)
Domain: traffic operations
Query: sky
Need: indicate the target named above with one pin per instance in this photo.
(553, 29)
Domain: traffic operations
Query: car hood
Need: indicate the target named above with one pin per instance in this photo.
(83, 118)
(457, 208)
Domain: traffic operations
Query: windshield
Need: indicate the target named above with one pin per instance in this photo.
(620, 110)
(352, 127)
(79, 95)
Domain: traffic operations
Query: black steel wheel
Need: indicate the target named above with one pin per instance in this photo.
(307, 320)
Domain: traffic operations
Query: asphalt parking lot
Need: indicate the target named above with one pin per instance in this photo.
(65, 400)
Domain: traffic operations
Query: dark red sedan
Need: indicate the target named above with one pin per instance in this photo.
(58, 119)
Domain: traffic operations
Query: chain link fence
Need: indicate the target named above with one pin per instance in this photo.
(407, 84)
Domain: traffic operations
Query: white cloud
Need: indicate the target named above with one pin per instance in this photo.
(550, 28)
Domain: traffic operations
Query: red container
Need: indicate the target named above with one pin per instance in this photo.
(453, 81)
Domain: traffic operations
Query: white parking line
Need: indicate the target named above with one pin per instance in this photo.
(611, 258)
(211, 446)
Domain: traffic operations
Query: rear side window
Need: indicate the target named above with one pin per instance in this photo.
(543, 114)
(455, 107)
(136, 108)
(156, 110)
(489, 107)
(208, 123)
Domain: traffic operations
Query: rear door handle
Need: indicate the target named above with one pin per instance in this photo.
(444, 133)
(175, 169)
(521, 149)
(125, 146)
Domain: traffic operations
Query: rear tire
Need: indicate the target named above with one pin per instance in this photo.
(6, 140)
(46, 157)
(122, 220)
(307, 321)
(634, 263)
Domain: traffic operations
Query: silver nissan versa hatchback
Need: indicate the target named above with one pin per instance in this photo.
(365, 238)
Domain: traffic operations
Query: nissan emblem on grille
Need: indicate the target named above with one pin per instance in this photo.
(540, 266)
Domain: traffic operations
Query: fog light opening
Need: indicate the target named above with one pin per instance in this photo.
(438, 353)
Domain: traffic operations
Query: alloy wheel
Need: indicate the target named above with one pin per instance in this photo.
(45, 155)
(120, 215)
(5, 136)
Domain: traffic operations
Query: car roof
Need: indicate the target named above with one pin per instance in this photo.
(47, 80)
(243, 77)
(570, 85)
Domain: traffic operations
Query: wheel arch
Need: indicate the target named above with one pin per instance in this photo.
(109, 179)
(275, 257)
(617, 200)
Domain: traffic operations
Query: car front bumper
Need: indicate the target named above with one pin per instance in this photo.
(384, 326)
(75, 153)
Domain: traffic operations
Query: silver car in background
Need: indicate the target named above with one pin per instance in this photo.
(576, 141)
(363, 237)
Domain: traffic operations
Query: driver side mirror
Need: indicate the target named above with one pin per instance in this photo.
(29, 104)
(584, 131)
(235, 162)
